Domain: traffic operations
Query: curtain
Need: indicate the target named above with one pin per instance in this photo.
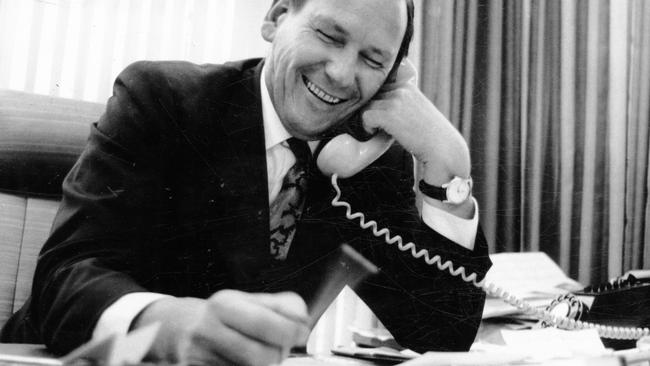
(76, 48)
(552, 97)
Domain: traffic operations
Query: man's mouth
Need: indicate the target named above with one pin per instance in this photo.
(320, 93)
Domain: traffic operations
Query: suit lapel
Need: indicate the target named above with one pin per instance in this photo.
(245, 132)
(246, 177)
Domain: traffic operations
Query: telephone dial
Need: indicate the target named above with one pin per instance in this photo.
(618, 311)
(624, 301)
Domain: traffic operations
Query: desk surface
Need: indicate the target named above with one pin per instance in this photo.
(26, 354)
(31, 350)
(37, 354)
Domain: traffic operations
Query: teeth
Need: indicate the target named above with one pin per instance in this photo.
(321, 94)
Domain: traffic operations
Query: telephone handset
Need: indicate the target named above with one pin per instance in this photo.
(345, 156)
(347, 153)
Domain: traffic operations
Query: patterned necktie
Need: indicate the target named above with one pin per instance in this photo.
(286, 209)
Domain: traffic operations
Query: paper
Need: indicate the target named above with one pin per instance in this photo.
(132, 348)
(378, 354)
(464, 358)
(116, 349)
(531, 276)
(553, 343)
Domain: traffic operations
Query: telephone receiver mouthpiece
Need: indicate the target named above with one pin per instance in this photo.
(346, 156)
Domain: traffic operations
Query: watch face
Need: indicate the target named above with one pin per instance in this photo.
(458, 190)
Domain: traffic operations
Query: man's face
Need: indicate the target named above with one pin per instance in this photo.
(329, 58)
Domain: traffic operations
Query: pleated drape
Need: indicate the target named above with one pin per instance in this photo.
(76, 48)
(552, 97)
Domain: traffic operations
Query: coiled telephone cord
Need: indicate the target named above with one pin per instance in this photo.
(490, 289)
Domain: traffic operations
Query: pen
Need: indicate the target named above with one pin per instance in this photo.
(348, 267)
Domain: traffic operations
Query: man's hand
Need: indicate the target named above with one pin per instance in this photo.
(404, 112)
(231, 327)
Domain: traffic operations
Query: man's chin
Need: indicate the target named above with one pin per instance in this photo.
(303, 134)
(351, 127)
(309, 134)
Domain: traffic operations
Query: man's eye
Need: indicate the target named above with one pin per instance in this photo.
(326, 37)
(373, 63)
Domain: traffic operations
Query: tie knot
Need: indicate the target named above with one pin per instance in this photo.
(300, 149)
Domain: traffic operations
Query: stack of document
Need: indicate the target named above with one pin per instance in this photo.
(532, 277)
(538, 347)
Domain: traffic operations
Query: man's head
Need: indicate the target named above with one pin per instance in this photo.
(330, 57)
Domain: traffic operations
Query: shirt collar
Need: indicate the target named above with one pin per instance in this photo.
(274, 131)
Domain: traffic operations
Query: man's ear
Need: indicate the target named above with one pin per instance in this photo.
(273, 18)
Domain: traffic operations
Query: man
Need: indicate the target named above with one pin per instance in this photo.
(166, 215)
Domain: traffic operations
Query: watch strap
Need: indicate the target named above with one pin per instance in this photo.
(432, 191)
(456, 191)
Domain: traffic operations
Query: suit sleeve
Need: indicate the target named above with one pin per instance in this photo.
(95, 254)
(423, 307)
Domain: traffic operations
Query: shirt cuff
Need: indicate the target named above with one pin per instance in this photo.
(459, 230)
(117, 318)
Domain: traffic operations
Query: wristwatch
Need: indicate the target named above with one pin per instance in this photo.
(456, 191)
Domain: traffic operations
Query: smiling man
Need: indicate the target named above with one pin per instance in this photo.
(197, 202)
(326, 62)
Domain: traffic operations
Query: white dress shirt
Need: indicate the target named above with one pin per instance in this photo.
(118, 317)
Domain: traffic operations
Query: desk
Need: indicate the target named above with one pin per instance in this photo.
(37, 354)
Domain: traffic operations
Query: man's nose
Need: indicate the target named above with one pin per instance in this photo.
(341, 69)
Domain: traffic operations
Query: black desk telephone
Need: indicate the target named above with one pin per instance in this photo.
(622, 302)
(616, 310)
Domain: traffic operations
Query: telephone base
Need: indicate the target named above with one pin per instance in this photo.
(619, 344)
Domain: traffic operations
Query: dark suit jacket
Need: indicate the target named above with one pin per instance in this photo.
(170, 195)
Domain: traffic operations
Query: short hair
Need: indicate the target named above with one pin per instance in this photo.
(408, 36)
(406, 41)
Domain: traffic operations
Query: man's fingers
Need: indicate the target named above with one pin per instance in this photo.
(291, 306)
(231, 327)
(279, 321)
(288, 304)
(395, 92)
(228, 346)
(407, 72)
(376, 119)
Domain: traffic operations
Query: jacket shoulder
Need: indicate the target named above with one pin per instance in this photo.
(182, 78)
